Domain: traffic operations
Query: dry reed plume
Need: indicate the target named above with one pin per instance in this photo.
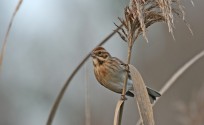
(138, 16)
(141, 14)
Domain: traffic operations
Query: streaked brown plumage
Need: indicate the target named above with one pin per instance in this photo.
(110, 72)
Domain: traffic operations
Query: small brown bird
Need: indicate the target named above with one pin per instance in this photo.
(110, 72)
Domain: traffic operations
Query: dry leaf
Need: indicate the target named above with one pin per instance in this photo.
(142, 98)
(118, 112)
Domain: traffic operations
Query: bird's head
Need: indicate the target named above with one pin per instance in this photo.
(99, 55)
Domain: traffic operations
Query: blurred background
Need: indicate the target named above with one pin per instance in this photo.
(48, 40)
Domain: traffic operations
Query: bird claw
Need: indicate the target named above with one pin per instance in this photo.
(126, 67)
(123, 97)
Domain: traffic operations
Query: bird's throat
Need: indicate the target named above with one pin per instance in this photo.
(100, 62)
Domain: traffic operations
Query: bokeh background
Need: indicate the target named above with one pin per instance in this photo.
(49, 38)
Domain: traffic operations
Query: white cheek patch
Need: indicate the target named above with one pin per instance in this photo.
(95, 61)
(101, 58)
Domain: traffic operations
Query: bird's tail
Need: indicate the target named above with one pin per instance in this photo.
(153, 94)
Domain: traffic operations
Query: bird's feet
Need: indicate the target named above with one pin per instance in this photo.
(126, 67)
(123, 97)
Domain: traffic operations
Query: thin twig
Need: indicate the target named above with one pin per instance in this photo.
(176, 75)
(130, 44)
(179, 72)
(8, 31)
(128, 62)
(60, 95)
(120, 104)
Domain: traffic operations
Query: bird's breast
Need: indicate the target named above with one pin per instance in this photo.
(110, 79)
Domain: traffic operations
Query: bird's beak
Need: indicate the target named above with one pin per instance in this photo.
(93, 55)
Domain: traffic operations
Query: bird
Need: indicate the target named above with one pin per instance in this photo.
(110, 72)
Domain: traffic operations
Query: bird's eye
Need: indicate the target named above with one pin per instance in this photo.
(99, 52)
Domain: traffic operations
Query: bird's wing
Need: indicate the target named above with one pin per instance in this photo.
(123, 65)
(120, 61)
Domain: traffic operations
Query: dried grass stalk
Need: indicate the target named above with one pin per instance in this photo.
(8, 31)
